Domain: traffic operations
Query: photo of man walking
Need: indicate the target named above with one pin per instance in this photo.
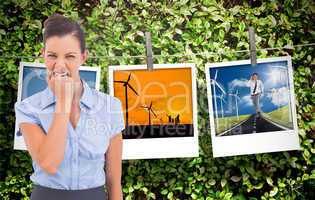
(255, 103)
(256, 90)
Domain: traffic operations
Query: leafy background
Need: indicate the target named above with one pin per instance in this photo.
(116, 28)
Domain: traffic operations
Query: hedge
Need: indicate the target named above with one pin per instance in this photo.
(116, 28)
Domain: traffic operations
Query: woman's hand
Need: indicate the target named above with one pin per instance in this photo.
(63, 88)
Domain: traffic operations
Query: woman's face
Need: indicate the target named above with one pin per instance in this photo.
(63, 54)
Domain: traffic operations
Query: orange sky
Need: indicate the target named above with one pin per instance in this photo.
(170, 91)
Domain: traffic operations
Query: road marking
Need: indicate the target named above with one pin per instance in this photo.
(254, 125)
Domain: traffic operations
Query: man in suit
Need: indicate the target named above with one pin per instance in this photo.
(256, 90)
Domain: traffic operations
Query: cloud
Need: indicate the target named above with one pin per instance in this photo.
(279, 96)
(238, 83)
(276, 75)
(246, 100)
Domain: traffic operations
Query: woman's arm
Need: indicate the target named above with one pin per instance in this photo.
(113, 168)
(47, 150)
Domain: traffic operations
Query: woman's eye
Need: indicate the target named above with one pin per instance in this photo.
(52, 56)
(70, 56)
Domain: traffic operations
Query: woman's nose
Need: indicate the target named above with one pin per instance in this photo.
(60, 66)
(60, 70)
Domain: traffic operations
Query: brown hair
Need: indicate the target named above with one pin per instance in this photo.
(58, 25)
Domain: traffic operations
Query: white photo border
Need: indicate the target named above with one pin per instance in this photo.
(253, 143)
(152, 148)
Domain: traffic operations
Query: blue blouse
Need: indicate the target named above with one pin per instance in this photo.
(101, 118)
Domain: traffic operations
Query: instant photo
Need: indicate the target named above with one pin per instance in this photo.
(159, 109)
(252, 108)
(32, 79)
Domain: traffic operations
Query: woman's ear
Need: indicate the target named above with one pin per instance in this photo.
(42, 51)
(85, 55)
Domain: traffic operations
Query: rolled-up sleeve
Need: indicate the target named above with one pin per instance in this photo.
(117, 117)
(24, 113)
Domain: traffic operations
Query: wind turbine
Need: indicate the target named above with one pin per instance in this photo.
(150, 110)
(236, 97)
(127, 85)
(275, 94)
(283, 74)
(214, 83)
(222, 100)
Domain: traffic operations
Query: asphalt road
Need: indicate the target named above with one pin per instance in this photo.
(253, 125)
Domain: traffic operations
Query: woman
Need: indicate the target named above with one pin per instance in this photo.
(68, 127)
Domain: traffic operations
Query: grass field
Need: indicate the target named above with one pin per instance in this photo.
(280, 116)
(228, 122)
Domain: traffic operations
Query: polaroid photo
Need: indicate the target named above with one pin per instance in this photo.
(32, 79)
(252, 109)
(160, 109)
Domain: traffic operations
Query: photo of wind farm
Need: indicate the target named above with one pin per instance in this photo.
(158, 104)
(246, 100)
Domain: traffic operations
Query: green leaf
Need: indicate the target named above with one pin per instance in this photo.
(223, 182)
(170, 195)
(164, 191)
(242, 26)
(269, 181)
(273, 192)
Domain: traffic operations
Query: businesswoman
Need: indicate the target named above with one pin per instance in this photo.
(71, 130)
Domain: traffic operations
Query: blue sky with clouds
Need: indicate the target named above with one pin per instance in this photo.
(274, 76)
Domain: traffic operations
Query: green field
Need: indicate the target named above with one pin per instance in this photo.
(280, 116)
(228, 122)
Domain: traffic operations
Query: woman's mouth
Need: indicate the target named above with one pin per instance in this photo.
(62, 74)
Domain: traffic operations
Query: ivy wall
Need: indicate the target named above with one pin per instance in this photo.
(116, 28)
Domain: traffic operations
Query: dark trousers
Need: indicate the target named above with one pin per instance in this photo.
(45, 193)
